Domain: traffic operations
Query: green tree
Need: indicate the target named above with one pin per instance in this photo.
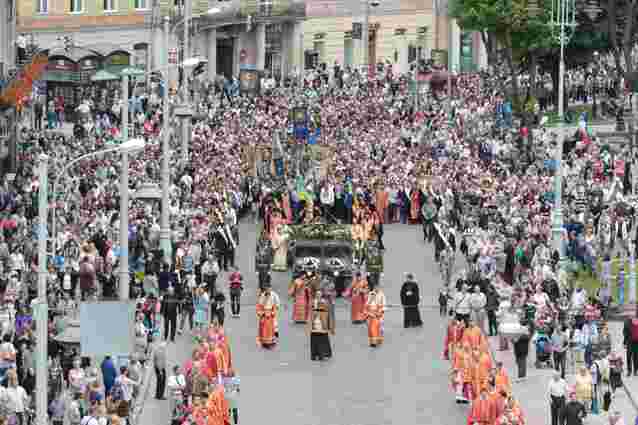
(519, 27)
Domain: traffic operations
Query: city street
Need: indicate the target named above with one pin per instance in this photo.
(403, 382)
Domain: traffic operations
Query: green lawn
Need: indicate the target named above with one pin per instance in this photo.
(591, 283)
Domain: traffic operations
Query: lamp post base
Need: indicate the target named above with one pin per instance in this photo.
(166, 245)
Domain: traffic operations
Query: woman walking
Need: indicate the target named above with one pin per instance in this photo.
(201, 303)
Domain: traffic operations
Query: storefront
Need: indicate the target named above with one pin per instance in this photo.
(63, 77)
(116, 62)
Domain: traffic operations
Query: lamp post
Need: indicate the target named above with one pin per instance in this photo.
(365, 34)
(563, 18)
(42, 306)
(42, 311)
(595, 70)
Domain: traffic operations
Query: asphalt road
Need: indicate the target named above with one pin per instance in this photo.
(403, 382)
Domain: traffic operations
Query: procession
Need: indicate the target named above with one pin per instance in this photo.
(380, 232)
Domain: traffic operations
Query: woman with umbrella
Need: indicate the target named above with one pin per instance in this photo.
(410, 300)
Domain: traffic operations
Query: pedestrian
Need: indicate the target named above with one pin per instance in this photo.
(169, 309)
(462, 307)
(236, 288)
(478, 301)
(410, 300)
(521, 350)
(17, 398)
(443, 301)
(630, 337)
(560, 344)
(557, 391)
(210, 270)
(491, 308)
(187, 309)
(176, 386)
(574, 410)
(201, 304)
(160, 364)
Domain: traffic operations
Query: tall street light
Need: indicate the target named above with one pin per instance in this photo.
(185, 111)
(42, 306)
(564, 19)
(365, 34)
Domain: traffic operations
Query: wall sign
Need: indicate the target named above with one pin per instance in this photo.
(61, 65)
(119, 59)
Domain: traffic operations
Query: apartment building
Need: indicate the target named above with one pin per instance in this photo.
(7, 35)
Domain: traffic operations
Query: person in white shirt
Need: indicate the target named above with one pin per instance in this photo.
(556, 391)
(91, 418)
(16, 397)
(462, 306)
(478, 301)
(126, 383)
(176, 384)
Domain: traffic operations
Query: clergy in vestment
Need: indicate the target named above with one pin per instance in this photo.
(410, 300)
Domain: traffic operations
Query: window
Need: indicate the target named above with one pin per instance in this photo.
(43, 6)
(141, 4)
(109, 5)
(265, 7)
(76, 6)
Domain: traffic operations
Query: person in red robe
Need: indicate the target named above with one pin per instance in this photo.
(482, 411)
(452, 337)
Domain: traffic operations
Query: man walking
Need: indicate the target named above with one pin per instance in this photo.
(521, 350)
(159, 361)
(557, 390)
(170, 306)
(560, 343)
(574, 411)
(630, 334)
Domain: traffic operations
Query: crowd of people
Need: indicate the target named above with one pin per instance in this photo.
(480, 183)
(459, 167)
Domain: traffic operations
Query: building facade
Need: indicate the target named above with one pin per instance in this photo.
(400, 32)
(7, 35)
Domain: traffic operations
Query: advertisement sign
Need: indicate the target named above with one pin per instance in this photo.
(61, 65)
(467, 52)
(172, 56)
(118, 59)
(249, 82)
(357, 30)
(439, 58)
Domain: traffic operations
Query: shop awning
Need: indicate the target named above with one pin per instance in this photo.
(104, 76)
(61, 76)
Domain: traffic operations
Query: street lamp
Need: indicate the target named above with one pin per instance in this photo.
(563, 18)
(42, 306)
(595, 70)
(367, 4)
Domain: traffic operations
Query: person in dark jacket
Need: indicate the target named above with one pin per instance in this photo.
(410, 299)
(169, 309)
(630, 341)
(491, 307)
(109, 373)
(166, 279)
(521, 350)
(574, 411)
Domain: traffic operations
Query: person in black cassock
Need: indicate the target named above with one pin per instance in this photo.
(410, 299)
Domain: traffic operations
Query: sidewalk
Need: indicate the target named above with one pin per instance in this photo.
(153, 411)
(532, 393)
